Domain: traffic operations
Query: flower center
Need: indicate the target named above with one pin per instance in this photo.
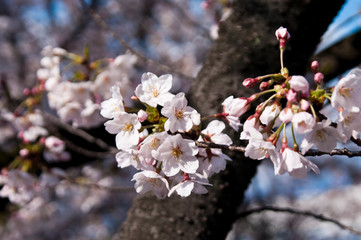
(176, 153)
(155, 91)
(320, 135)
(349, 120)
(153, 181)
(178, 113)
(263, 151)
(346, 92)
(128, 127)
(154, 144)
(302, 124)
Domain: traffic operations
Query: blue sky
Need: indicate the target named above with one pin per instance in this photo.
(347, 22)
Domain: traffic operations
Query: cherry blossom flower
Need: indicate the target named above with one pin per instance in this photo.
(18, 186)
(126, 127)
(114, 105)
(153, 90)
(286, 115)
(117, 73)
(270, 113)
(177, 154)
(258, 148)
(349, 124)
(300, 83)
(151, 143)
(248, 126)
(303, 122)
(213, 160)
(323, 137)
(151, 181)
(55, 150)
(233, 108)
(192, 183)
(346, 94)
(296, 164)
(128, 158)
(180, 116)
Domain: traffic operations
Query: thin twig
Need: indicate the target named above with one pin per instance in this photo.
(99, 20)
(78, 132)
(299, 212)
(91, 185)
(221, 146)
(311, 152)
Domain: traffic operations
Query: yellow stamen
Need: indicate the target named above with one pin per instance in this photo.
(178, 113)
(128, 127)
(155, 91)
(153, 181)
(321, 135)
(154, 144)
(176, 153)
(346, 92)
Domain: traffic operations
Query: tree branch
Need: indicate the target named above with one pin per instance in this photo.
(311, 152)
(299, 212)
(98, 19)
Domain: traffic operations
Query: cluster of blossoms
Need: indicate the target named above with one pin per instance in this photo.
(162, 138)
(77, 100)
(167, 156)
(294, 103)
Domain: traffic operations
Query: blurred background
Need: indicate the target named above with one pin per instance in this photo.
(178, 34)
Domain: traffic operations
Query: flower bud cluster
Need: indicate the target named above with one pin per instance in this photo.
(294, 103)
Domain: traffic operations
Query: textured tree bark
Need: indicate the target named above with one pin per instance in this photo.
(247, 47)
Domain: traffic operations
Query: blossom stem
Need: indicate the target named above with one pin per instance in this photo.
(295, 145)
(267, 101)
(313, 112)
(281, 56)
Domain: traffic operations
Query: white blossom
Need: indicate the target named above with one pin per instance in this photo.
(153, 90)
(296, 164)
(303, 122)
(177, 154)
(126, 127)
(151, 181)
(233, 108)
(114, 105)
(323, 137)
(346, 94)
(180, 116)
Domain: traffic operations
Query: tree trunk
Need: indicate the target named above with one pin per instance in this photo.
(247, 47)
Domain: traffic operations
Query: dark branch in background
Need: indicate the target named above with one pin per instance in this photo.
(299, 212)
(98, 19)
(93, 185)
(80, 26)
(187, 18)
(78, 132)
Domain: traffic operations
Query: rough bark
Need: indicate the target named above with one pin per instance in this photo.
(247, 47)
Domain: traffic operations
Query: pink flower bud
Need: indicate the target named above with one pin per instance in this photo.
(318, 78)
(142, 115)
(26, 91)
(282, 36)
(291, 95)
(263, 86)
(304, 105)
(134, 98)
(34, 90)
(250, 82)
(24, 152)
(314, 66)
